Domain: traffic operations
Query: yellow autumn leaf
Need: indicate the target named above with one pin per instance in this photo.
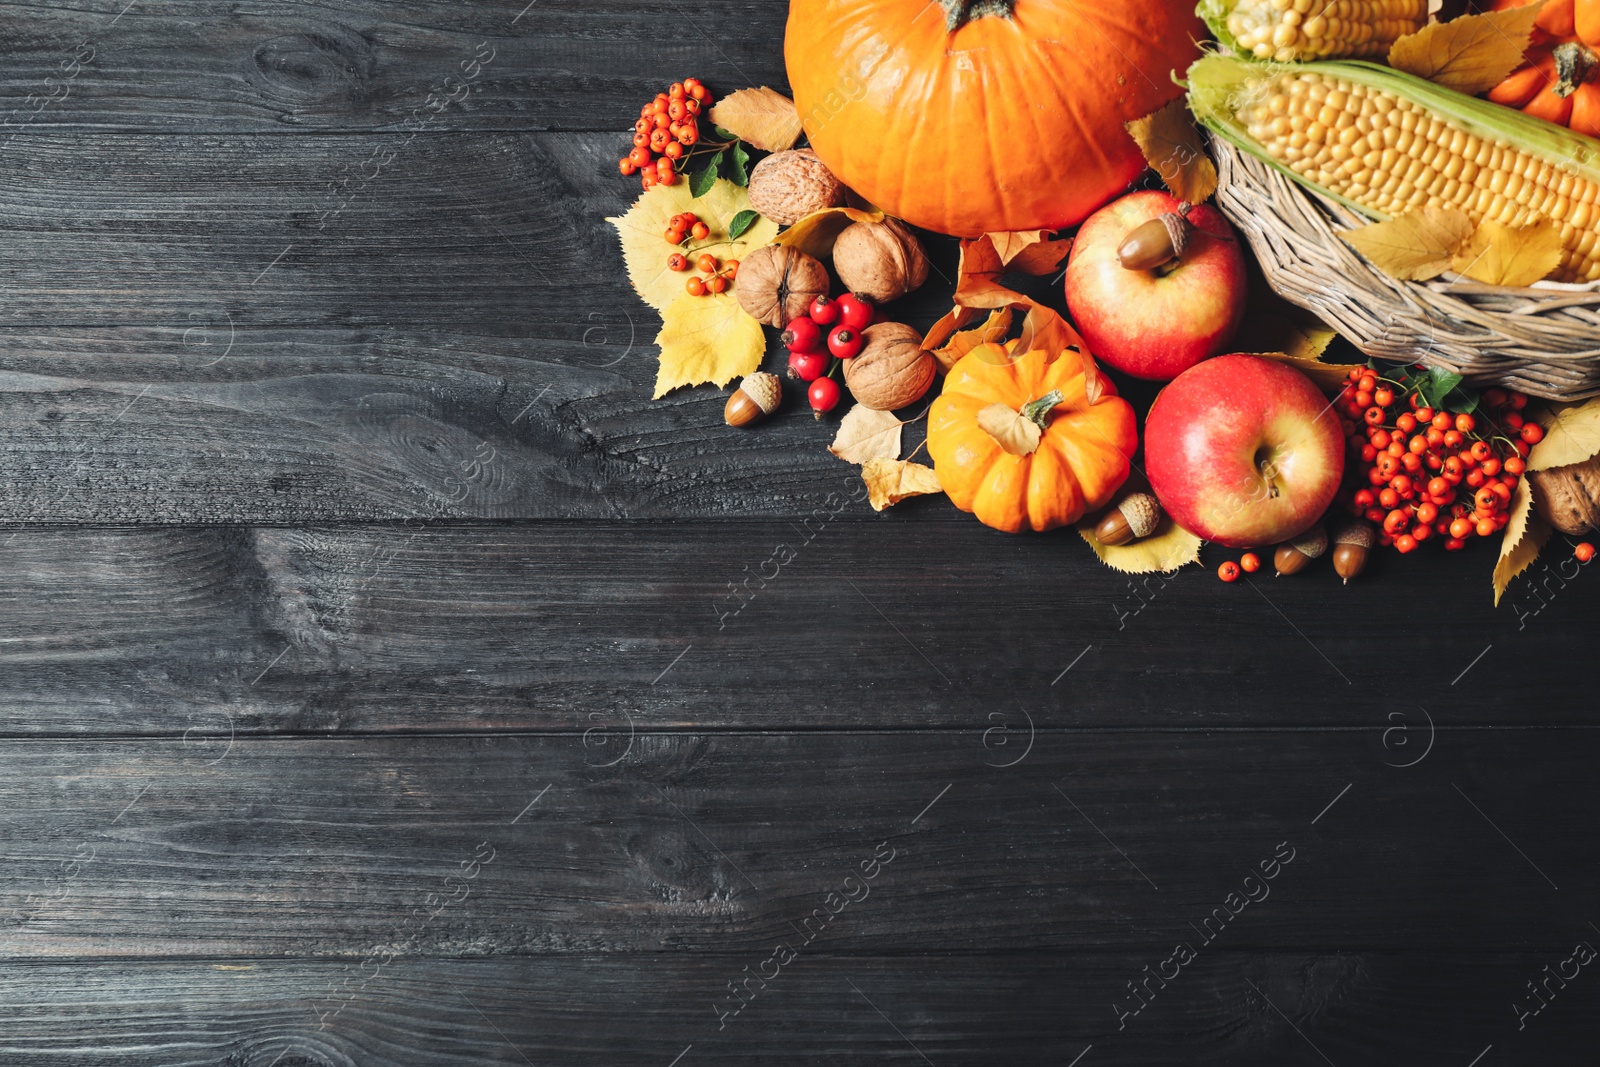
(1169, 548)
(706, 339)
(890, 481)
(1525, 535)
(645, 247)
(1011, 430)
(865, 434)
(1171, 145)
(760, 117)
(1571, 435)
(1330, 377)
(991, 331)
(1500, 255)
(1415, 246)
(814, 235)
(1471, 54)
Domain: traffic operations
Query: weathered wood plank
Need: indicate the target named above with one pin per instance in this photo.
(873, 624)
(1385, 1008)
(695, 843)
(367, 64)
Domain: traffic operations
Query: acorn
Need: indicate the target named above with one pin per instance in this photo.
(1292, 556)
(1134, 516)
(756, 398)
(1351, 546)
(1157, 242)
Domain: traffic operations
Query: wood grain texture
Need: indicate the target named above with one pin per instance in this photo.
(695, 843)
(822, 1009)
(873, 625)
(366, 64)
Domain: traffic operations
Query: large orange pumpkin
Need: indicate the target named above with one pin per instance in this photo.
(1560, 81)
(1073, 465)
(977, 116)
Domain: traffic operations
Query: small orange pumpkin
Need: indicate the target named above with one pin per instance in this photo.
(1017, 441)
(1558, 81)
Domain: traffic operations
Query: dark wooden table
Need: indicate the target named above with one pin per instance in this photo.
(370, 692)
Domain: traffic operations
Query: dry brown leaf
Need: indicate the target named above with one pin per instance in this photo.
(1029, 251)
(890, 481)
(1571, 435)
(1415, 246)
(814, 235)
(1526, 534)
(991, 331)
(956, 319)
(1500, 255)
(1330, 377)
(1169, 548)
(1017, 435)
(1171, 145)
(978, 282)
(865, 434)
(760, 117)
(1471, 54)
(706, 339)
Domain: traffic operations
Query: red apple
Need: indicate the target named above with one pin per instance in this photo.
(1157, 323)
(1243, 451)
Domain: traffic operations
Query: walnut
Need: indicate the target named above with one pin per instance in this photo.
(788, 186)
(1569, 497)
(882, 260)
(776, 284)
(891, 370)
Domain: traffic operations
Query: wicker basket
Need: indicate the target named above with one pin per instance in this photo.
(1544, 340)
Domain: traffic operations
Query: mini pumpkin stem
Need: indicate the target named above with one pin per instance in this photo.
(1038, 411)
(957, 13)
(1574, 65)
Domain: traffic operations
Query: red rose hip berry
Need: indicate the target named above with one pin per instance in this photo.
(824, 311)
(808, 366)
(845, 342)
(854, 311)
(824, 396)
(803, 335)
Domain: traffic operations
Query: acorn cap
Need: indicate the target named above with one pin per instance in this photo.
(1355, 533)
(1312, 543)
(764, 389)
(1143, 513)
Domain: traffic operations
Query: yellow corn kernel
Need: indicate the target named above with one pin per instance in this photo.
(1293, 31)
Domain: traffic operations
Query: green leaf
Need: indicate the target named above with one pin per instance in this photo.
(739, 173)
(701, 181)
(741, 222)
(724, 134)
(1438, 385)
(1462, 401)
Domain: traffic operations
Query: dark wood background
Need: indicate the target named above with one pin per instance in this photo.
(369, 694)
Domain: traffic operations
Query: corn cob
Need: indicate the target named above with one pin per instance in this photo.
(1385, 143)
(1292, 31)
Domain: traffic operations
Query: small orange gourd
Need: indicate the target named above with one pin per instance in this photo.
(1004, 472)
(1560, 81)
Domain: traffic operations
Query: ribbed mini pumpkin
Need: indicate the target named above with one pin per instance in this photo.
(1083, 451)
(977, 116)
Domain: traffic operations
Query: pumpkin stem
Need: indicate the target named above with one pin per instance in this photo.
(1574, 64)
(957, 13)
(1038, 411)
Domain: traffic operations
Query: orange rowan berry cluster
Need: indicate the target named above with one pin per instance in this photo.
(668, 127)
(719, 276)
(1425, 474)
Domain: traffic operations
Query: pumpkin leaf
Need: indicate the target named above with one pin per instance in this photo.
(1500, 255)
(1330, 377)
(1471, 54)
(1525, 535)
(1171, 145)
(645, 249)
(958, 344)
(865, 434)
(1416, 246)
(700, 181)
(706, 339)
(739, 164)
(1169, 548)
(815, 234)
(742, 222)
(1017, 435)
(763, 117)
(890, 481)
(1571, 435)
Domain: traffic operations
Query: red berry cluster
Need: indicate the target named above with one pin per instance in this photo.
(829, 332)
(668, 127)
(1426, 474)
(718, 276)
